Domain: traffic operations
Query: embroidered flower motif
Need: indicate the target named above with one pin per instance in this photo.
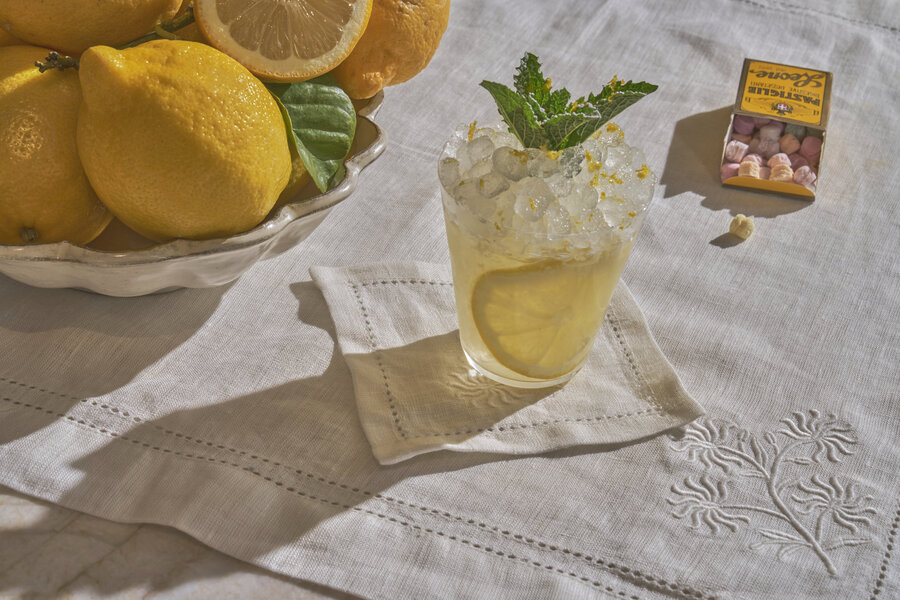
(801, 514)
(703, 502)
(829, 436)
(842, 501)
(704, 440)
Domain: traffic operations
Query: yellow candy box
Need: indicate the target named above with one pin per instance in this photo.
(798, 98)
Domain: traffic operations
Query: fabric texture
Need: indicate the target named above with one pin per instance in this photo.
(230, 413)
(398, 332)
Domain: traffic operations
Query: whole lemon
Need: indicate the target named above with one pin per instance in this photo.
(398, 43)
(7, 39)
(44, 193)
(70, 26)
(179, 140)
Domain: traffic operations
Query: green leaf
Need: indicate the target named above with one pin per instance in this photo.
(517, 113)
(539, 116)
(321, 122)
(529, 79)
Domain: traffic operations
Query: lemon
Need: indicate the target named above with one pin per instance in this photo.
(44, 193)
(398, 43)
(284, 40)
(7, 39)
(70, 26)
(540, 320)
(298, 180)
(179, 140)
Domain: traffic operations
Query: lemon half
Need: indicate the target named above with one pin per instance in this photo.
(285, 40)
(540, 320)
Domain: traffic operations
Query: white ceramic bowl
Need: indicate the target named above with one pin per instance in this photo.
(188, 263)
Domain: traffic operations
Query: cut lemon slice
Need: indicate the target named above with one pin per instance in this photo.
(285, 40)
(540, 320)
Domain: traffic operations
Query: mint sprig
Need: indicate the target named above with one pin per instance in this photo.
(542, 117)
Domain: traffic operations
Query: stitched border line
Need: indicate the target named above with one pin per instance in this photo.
(395, 411)
(377, 354)
(793, 8)
(614, 320)
(882, 571)
(635, 577)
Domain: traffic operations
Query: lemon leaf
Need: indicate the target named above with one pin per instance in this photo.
(321, 122)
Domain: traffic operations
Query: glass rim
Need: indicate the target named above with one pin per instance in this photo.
(503, 232)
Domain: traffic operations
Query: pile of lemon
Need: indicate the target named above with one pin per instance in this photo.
(177, 137)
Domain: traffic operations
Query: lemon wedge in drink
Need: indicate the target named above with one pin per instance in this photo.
(284, 40)
(539, 320)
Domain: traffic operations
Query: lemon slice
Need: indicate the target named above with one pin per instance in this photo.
(540, 320)
(285, 40)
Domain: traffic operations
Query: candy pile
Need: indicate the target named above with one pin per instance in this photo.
(768, 149)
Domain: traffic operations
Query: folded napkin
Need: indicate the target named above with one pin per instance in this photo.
(415, 392)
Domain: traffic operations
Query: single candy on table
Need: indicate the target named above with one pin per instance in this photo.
(741, 226)
(789, 143)
(782, 172)
(779, 159)
(735, 151)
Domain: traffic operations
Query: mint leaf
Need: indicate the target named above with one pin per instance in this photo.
(321, 122)
(517, 113)
(540, 116)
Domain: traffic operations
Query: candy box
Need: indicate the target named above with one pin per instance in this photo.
(776, 137)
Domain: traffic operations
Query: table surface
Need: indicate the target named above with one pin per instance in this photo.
(47, 550)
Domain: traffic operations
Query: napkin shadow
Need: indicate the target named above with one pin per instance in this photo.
(693, 163)
(446, 399)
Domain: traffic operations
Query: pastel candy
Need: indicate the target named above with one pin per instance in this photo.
(805, 176)
(760, 121)
(730, 170)
(748, 169)
(767, 148)
(755, 158)
(753, 146)
(789, 143)
(764, 172)
(781, 172)
(735, 151)
(798, 161)
(743, 125)
(779, 159)
(798, 131)
(811, 148)
(745, 138)
(771, 131)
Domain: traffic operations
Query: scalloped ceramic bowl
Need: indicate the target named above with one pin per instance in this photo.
(120, 263)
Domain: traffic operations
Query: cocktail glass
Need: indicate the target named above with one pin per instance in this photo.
(535, 258)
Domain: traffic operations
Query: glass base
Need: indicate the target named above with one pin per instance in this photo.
(525, 382)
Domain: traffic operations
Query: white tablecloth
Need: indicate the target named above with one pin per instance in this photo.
(228, 413)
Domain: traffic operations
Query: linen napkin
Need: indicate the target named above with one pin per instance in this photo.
(415, 392)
